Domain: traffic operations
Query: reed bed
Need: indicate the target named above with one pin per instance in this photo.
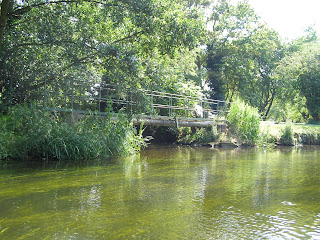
(29, 133)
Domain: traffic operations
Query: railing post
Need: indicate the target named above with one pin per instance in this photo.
(65, 92)
(187, 110)
(99, 98)
(170, 106)
(151, 104)
(224, 108)
(203, 109)
(218, 109)
(72, 93)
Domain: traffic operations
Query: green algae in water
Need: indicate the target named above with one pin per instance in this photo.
(167, 193)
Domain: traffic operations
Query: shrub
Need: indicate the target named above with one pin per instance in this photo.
(200, 136)
(244, 122)
(287, 135)
(266, 139)
(310, 138)
(207, 135)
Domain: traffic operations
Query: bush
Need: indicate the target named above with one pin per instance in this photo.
(200, 136)
(287, 135)
(310, 138)
(29, 133)
(266, 139)
(207, 135)
(244, 122)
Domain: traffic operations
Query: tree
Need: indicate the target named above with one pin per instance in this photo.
(260, 54)
(88, 39)
(229, 23)
(299, 73)
(242, 55)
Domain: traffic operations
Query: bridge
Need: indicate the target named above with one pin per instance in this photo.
(141, 106)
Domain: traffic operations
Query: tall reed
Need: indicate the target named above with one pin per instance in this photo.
(29, 133)
(244, 122)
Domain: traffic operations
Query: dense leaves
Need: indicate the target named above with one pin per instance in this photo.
(90, 39)
(244, 122)
(300, 73)
(248, 60)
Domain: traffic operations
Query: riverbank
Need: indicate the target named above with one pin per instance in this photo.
(301, 133)
(270, 134)
(28, 133)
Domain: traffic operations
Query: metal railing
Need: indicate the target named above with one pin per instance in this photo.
(86, 96)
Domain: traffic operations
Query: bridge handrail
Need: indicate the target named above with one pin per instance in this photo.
(113, 87)
(182, 97)
(85, 94)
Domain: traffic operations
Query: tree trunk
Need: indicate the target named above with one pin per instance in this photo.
(6, 7)
(269, 107)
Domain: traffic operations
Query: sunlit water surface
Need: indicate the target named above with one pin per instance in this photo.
(167, 192)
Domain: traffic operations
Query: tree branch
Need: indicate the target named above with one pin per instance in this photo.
(7, 10)
(129, 36)
(22, 10)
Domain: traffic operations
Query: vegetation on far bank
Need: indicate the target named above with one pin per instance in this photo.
(31, 134)
(270, 134)
(292, 133)
(28, 133)
(246, 128)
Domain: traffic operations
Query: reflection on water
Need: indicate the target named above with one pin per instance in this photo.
(166, 193)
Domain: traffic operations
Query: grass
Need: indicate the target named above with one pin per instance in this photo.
(303, 133)
(276, 129)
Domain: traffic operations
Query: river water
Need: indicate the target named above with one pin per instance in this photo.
(168, 192)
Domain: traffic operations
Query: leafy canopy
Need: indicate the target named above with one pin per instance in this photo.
(89, 39)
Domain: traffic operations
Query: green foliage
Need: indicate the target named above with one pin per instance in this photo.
(229, 24)
(287, 135)
(266, 140)
(310, 138)
(199, 136)
(242, 54)
(244, 122)
(260, 54)
(300, 75)
(294, 110)
(205, 136)
(110, 39)
(29, 133)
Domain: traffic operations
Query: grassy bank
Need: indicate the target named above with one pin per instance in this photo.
(246, 128)
(27, 133)
(307, 134)
(269, 134)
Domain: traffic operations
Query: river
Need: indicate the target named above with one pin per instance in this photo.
(167, 192)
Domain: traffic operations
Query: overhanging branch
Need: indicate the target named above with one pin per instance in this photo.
(21, 10)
